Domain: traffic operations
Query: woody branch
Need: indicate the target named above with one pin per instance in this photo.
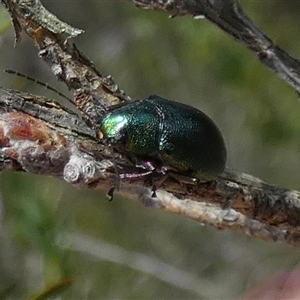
(57, 142)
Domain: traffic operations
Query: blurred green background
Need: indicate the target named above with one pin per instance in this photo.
(50, 230)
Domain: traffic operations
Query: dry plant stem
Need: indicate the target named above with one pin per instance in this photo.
(236, 201)
(229, 16)
(92, 91)
(248, 205)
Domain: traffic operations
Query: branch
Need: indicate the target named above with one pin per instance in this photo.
(101, 251)
(229, 16)
(40, 136)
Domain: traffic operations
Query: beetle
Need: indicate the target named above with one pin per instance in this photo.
(173, 135)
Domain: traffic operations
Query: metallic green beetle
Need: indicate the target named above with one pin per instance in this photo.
(179, 136)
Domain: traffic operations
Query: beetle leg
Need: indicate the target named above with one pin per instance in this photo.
(116, 187)
(110, 194)
(135, 176)
(147, 165)
(182, 179)
(153, 190)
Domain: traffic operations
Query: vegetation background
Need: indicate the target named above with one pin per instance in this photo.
(50, 230)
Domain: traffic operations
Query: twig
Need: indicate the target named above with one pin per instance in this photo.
(229, 16)
(101, 250)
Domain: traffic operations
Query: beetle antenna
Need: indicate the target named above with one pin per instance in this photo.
(35, 80)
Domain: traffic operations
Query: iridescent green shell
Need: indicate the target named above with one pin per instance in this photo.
(183, 137)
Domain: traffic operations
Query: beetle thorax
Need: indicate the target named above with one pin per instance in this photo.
(113, 126)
